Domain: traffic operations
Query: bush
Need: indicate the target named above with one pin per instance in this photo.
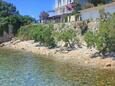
(39, 33)
(24, 33)
(88, 5)
(66, 35)
(104, 40)
(1, 32)
(89, 38)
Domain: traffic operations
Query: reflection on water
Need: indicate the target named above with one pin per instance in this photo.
(25, 69)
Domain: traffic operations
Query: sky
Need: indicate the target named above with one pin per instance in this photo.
(32, 7)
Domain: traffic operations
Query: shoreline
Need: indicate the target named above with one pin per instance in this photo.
(80, 56)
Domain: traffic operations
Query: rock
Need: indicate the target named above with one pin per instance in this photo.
(55, 52)
(23, 48)
(86, 62)
(31, 41)
(65, 52)
(58, 49)
(108, 65)
(17, 41)
(36, 44)
(7, 43)
(76, 46)
(13, 40)
(112, 54)
(1, 45)
(107, 54)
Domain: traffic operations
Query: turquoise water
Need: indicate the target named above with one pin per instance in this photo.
(19, 68)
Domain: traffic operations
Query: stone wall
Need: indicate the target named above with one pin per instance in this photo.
(93, 13)
(5, 37)
(77, 26)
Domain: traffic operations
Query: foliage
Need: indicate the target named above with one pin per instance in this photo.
(39, 33)
(44, 15)
(96, 2)
(107, 29)
(7, 9)
(10, 16)
(26, 20)
(103, 14)
(88, 5)
(89, 38)
(66, 35)
(104, 40)
(1, 31)
(24, 33)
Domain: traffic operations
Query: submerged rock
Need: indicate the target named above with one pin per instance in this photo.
(1, 45)
(108, 65)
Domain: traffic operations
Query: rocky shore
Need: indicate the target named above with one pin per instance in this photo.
(78, 56)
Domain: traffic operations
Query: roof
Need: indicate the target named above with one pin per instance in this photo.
(60, 15)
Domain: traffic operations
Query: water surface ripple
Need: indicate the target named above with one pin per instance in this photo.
(19, 68)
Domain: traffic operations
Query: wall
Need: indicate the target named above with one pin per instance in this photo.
(93, 13)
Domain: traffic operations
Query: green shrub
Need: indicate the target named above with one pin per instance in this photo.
(89, 37)
(104, 40)
(24, 33)
(1, 32)
(66, 35)
(39, 33)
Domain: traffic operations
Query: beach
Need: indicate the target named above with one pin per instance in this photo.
(80, 56)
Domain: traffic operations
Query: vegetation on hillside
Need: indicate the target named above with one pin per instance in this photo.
(46, 35)
(9, 16)
(39, 33)
(104, 39)
(68, 35)
(44, 16)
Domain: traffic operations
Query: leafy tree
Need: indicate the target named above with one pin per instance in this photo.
(44, 16)
(39, 33)
(66, 35)
(76, 8)
(90, 39)
(88, 5)
(107, 29)
(48, 39)
(9, 16)
(96, 2)
(27, 20)
(104, 40)
(7, 9)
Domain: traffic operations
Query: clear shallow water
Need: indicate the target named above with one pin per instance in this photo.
(25, 69)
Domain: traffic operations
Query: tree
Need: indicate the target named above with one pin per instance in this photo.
(39, 33)
(27, 20)
(66, 35)
(90, 39)
(7, 9)
(9, 16)
(103, 14)
(96, 2)
(104, 40)
(43, 16)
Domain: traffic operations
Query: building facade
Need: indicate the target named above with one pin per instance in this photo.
(65, 6)
(93, 13)
(62, 14)
(62, 5)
